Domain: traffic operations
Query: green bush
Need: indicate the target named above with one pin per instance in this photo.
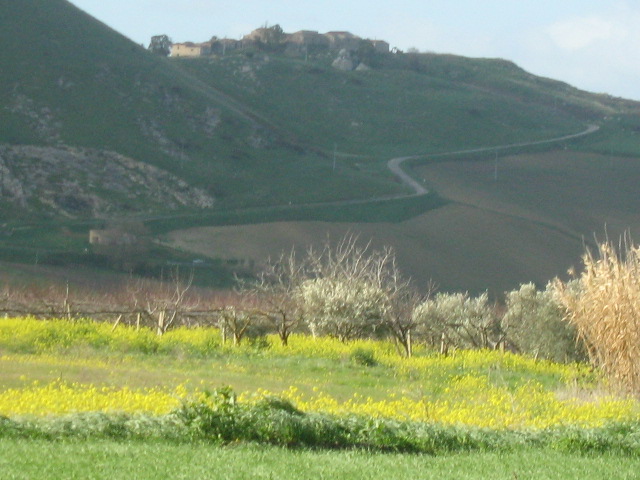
(222, 420)
(363, 357)
(460, 321)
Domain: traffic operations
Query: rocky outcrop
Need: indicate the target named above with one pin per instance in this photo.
(343, 61)
(77, 182)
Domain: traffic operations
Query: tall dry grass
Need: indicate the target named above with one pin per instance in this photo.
(604, 305)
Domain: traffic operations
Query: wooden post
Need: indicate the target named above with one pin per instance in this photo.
(116, 323)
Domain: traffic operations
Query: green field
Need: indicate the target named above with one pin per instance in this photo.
(22, 460)
(65, 372)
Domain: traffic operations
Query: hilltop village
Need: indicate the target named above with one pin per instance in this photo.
(350, 49)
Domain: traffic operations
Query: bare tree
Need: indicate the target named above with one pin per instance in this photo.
(237, 317)
(276, 291)
(403, 300)
(162, 304)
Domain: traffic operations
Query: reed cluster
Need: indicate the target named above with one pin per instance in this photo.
(604, 305)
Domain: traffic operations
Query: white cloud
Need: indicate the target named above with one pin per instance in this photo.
(599, 51)
(579, 33)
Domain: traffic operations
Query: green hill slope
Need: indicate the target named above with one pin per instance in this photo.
(256, 128)
(66, 79)
(372, 113)
(94, 129)
(411, 104)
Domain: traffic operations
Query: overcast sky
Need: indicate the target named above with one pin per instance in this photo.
(591, 44)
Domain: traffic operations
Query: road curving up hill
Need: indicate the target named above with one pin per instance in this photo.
(395, 164)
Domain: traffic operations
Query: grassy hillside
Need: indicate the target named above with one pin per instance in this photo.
(67, 79)
(392, 111)
(256, 137)
(260, 129)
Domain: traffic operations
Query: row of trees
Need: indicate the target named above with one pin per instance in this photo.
(348, 291)
(351, 291)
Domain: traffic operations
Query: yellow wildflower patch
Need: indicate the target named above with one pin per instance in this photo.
(58, 398)
(474, 401)
(487, 389)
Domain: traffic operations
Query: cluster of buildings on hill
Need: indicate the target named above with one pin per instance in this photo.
(304, 41)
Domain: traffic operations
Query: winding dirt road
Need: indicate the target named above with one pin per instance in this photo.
(395, 164)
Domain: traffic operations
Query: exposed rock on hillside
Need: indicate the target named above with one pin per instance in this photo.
(40, 118)
(78, 182)
(343, 61)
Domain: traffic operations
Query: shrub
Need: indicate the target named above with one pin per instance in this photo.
(276, 426)
(366, 358)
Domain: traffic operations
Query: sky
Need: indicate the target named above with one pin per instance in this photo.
(591, 44)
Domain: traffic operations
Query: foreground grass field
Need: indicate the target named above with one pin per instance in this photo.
(22, 460)
(60, 367)
(86, 400)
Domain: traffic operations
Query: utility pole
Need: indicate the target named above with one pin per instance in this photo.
(335, 153)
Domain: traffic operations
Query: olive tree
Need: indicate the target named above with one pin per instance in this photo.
(458, 320)
(344, 308)
(345, 295)
(534, 321)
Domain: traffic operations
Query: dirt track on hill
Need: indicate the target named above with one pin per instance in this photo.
(395, 164)
(493, 235)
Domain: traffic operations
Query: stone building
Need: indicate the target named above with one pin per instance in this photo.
(190, 49)
(380, 45)
(309, 39)
(301, 42)
(112, 237)
(262, 34)
(222, 46)
(343, 40)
